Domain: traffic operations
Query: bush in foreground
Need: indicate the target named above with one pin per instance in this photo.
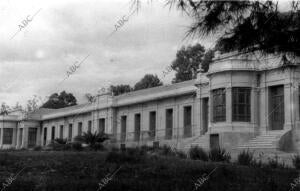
(197, 153)
(296, 161)
(57, 171)
(245, 158)
(92, 139)
(76, 146)
(275, 163)
(219, 155)
(127, 156)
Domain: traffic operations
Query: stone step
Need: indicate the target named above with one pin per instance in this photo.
(261, 141)
(265, 141)
(255, 146)
(258, 147)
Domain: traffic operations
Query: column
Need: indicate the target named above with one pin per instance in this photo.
(14, 137)
(196, 117)
(18, 140)
(210, 111)
(263, 107)
(254, 110)
(288, 106)
(296, 102)
(228, 104)
(39, 136)
(25, 137)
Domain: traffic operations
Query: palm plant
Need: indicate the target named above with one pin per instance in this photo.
(92, 139)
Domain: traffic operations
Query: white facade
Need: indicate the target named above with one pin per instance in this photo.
(240, 102)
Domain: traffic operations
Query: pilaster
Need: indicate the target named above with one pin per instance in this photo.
(25, 137)
(228, 102)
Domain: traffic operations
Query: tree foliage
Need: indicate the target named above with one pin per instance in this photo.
(246, 25)
(4, 109)
(187, 62)
(148, 81)
(62, 100)
(120, 89)
(207, 59)
(33, 104)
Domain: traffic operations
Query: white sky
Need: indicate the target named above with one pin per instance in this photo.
(37, 59)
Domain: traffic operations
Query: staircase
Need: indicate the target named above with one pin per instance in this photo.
(266, 141)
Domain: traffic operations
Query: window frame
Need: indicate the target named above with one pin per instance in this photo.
(70, 132)
(219, 105)
(8, 140)
(241, 101)
(79, 128)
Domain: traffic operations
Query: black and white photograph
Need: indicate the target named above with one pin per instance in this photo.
(149, 95)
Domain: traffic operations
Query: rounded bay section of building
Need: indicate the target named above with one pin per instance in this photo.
(233, 96)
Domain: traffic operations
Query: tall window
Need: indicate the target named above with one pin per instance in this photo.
(70, 131)
(61, 129)
(7, 136)
(219, 105)
(79, 128)
(123, 127)
(137, 127)
(20, 137)
(90, 126)
(53, 133)
(45, 135)
(187, 121)
(169, 123)
(152, 123)
(241, 104)
(101, 125)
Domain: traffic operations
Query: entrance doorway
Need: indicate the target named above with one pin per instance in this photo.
(205, 115)
(214, 141)
(32, 134)
(276, 109)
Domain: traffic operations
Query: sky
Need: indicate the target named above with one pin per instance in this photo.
(59, 34)
(36, 56)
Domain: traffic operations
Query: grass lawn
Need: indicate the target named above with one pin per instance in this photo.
(56, 170)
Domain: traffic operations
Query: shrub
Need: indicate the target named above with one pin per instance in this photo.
(131, 155)
(218, 155)
(61, 141)
(167, 151)
(37, 148)
(135, 151)
(116, 149)
(245, 158)
(92, 139)
(181, 154)
(296, 161)
(274, 163)
(59, 147)
(147, 148)
(76, 146)
(197, 153)
(97, 147)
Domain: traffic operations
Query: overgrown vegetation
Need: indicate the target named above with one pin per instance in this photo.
(296, 161)
(138, 171)
(273, 162)
(93, 140)
(219, 155)
(197, 153)
(245, 158)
